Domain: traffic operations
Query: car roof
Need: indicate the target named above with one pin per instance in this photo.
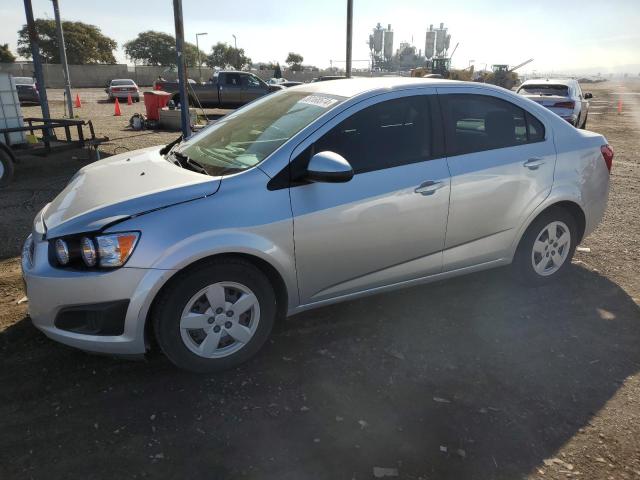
(123, 80)
(350, 87)
(551, 81)
(24, 80)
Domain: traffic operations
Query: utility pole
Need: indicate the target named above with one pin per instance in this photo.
(182, 74)
(63, 58)
(349, 35)
(235, 50)
(37, 64)
(199, 62)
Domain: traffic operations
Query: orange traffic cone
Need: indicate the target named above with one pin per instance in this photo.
(116, 112)
(619, 106)
(129, 100)
(78, 102)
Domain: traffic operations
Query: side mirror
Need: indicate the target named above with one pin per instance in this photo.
(588, 95)
(329, 167)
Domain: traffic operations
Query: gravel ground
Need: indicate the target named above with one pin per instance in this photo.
(470, 378)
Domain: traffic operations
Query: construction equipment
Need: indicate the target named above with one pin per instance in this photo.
(503, 76)
(441, 67)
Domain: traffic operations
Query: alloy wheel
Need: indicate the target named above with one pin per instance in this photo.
(551, 248)
(220, 319)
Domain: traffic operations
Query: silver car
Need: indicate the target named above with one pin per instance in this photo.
(314, 195)
(121, 88)
(563, 97)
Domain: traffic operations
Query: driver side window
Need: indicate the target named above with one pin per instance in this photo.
(252, 81)
(388, 134)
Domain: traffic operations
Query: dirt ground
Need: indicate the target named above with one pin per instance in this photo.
(473, 378)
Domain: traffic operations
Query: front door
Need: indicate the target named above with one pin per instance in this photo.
(386, 225)
(502, 162)
(252, 88)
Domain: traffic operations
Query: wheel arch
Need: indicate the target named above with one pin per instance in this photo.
(569, 205)
(273, 275)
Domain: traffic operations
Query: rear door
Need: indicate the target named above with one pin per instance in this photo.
(230, 88)
(501, 161)
(387, 224)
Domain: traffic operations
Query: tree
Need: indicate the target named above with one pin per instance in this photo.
(85, 43)
(277, 73)
(294, 60)
(5, 54)
(223, 55)
(159, 48)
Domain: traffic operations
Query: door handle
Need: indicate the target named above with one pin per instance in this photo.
(429, 187)
(533, 163)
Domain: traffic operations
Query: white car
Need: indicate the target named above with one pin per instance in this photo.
(563, 97)
(121, 88)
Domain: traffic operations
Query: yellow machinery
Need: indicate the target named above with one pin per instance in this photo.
(503, 76)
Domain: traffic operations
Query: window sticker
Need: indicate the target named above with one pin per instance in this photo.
(318, 101)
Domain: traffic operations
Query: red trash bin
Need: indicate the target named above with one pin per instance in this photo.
(154, 101)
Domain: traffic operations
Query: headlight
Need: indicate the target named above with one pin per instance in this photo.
(88, 252)
(115, 249)
(104, 251)
(62, 251)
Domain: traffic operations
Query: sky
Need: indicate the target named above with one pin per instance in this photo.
(586, 36)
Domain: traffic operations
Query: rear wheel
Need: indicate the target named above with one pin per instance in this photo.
(216, 316)
(547, 247)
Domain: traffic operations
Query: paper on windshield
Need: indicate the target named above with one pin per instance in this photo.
(318, 101)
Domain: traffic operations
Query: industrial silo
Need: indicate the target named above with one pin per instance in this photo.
(430, 42)
(441, 38)
(388, 43)
(377, 39)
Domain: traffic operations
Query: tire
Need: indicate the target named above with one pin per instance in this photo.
(552, 259)
(211, 345)
(584, 124)
(6, 167)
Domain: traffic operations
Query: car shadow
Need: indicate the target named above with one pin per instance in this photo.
(475, 377)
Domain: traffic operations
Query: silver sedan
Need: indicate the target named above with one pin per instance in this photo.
(316, 194)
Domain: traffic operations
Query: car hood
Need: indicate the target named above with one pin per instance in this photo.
(120, 187)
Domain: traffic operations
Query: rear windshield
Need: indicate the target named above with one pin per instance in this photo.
(246, 137)
(116, 83)
(545, 89)
(23, 80)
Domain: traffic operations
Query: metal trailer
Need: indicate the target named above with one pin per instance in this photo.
(10, 153)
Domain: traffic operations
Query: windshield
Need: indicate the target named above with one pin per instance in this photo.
(245, 138)
(561, 90)
(116, 83)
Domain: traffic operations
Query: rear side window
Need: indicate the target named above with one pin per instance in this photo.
(474, 123)
(232, 79)
(535, 129)
(388, 134)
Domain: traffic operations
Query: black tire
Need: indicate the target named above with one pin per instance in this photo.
(176, 100)
(522, 266)
(584, 124)
(6, 161)
(169, 307)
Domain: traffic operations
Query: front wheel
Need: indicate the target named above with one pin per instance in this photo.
(215, 316)
(584, 124)
(547, 247)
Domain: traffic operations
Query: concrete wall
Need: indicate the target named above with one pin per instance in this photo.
(87, 76)
(82, 76)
